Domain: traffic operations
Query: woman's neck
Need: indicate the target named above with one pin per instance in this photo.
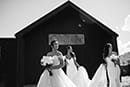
(109, 54)
(68, 55)
(54, 50)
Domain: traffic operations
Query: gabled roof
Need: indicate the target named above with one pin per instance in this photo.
(55, 11)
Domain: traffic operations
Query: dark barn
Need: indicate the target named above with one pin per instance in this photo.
(68, 19)
(8, 55)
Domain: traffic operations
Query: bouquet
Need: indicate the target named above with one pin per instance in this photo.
(47, 61)
(114, 58)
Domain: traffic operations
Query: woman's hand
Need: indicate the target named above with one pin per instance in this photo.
(50, 71)
(48, 67)
(42, 63)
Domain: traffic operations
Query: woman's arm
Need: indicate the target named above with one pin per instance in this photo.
(65, 61)
(74, 58)
(76, 63)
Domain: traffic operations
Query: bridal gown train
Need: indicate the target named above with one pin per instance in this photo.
(99, 79)
(78, 76)
(58, 79)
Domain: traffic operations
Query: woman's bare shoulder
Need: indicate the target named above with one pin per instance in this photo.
(49, 54)
(60, 53)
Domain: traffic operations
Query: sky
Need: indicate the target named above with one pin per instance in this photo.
(115, 14)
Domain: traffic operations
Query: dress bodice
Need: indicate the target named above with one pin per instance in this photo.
(113, 73)
(55, 60)
(70, 61)
(109, 62)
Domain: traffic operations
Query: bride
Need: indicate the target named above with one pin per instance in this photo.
(53, 75)
(75, 72)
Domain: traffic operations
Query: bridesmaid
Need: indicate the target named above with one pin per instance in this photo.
(113, 69)
(75, 72)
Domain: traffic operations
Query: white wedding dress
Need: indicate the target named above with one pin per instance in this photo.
(58, 79)
(100, 78)
(78, 76)
(113, 73)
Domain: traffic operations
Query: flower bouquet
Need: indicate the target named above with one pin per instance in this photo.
(47, 61)
(115, 59)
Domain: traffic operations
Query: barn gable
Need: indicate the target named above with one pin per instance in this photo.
(32, 41)
(84, 16)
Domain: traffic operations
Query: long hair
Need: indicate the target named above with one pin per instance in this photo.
(69, 47)
(52, 44)
(71, 53)
(106, 50)
(105, 54)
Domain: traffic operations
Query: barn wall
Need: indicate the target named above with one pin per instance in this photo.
(8, 61)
